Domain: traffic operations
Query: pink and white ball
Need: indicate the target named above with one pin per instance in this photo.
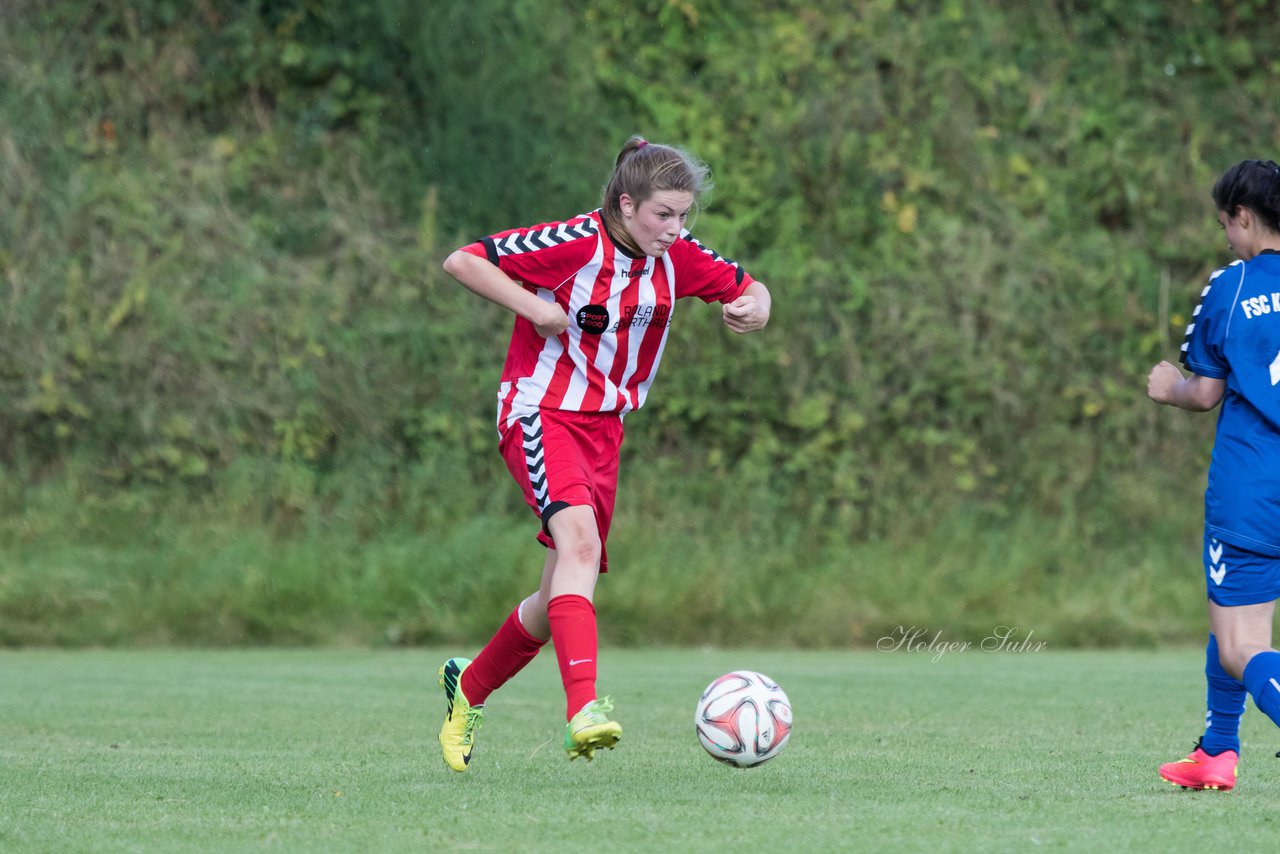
(743, 719)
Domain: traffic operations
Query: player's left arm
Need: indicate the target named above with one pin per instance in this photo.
(749, 312)
(1167, 385)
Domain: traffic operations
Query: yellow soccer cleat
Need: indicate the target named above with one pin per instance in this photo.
(461, 719)
(590, 729)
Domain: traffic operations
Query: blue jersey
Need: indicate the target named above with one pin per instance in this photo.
(1235, 336)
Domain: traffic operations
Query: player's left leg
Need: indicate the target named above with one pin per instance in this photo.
(591, 728)
(571, 612)
(583, 474)
(572, 616)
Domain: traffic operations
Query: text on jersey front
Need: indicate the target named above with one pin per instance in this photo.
(1262, 304)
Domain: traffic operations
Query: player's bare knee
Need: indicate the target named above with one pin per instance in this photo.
(586, 552)
(1227, 658)
(1234, 656)
(577, 540)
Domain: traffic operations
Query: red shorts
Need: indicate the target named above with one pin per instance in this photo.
(566, 459)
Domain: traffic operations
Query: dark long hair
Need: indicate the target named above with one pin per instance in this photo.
(1254, 184)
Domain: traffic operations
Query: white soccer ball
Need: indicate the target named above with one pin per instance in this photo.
(743, 719)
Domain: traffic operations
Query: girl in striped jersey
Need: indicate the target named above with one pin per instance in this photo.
(1233, 353)
(594, 297)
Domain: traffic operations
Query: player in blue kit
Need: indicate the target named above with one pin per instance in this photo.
(1232, 349)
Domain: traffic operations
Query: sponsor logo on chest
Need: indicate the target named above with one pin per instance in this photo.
(593, 319)
(643, 316)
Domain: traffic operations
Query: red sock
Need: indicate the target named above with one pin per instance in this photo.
(505, 655)
(573, 629)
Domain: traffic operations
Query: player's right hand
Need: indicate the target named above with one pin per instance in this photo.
(551, 321)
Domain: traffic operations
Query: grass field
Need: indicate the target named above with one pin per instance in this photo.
(335, 751)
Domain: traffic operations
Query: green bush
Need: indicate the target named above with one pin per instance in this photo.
(220, 298)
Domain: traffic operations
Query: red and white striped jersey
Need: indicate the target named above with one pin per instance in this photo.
(619, 308)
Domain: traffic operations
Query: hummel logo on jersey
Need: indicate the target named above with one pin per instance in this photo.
(635, 274)
(593, 319)
(533, 240)
(1219, 570)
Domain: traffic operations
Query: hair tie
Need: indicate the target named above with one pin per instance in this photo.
(642, 144)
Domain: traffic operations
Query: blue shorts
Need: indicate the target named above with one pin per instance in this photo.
(1235, 576)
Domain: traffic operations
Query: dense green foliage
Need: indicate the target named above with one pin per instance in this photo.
(240, 401)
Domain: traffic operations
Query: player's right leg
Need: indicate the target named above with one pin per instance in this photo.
(1212, 765)
(1241, 619)
(513, 646)
(461, 719)
(1241, 588)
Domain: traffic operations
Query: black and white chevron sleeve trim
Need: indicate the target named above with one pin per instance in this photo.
(519, 242)
(1195, 315)
(739, 273)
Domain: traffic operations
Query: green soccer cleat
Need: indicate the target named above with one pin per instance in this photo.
(461, 719)
(590, 729)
